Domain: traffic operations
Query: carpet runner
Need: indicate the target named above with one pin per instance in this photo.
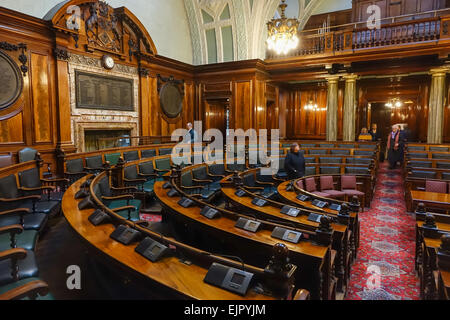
(384, 268)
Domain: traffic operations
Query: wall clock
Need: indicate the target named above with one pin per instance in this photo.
(108, 62)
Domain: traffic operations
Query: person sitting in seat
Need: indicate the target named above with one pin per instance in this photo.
(365, 135)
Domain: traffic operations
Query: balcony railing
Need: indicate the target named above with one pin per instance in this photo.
(409, 29)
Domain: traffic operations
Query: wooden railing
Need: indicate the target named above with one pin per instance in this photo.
(115, 142)
(352, 38)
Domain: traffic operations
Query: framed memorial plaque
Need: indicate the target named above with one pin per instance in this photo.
(95, 91)
(11, 82)
(171, 100)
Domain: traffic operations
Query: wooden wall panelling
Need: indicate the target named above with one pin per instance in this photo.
(42, 98)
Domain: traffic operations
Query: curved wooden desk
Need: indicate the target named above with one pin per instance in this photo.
(182, 280)
(305, 254)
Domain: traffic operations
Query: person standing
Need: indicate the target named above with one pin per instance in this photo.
(191, 136)
(375, 133)
(394, 147)
(294, 165)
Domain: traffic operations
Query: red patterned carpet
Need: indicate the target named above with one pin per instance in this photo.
(384, 268)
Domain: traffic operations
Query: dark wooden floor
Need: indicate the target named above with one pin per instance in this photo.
(58, 249)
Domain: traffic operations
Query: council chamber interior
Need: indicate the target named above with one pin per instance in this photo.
(98, 200)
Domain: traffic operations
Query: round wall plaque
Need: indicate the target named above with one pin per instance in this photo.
(11, 81)
(171, 100)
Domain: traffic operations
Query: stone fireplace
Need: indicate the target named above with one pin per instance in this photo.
(83, 119)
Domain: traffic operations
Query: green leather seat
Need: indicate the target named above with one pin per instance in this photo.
(330, 160)
(342, 152)
(443, 165)
(326, 145)
(416, 148)
(31, 221)
(165, 151)
(13, 285)
(131, 156)
(347, 146)
(94, 164)
(113, 158)
(30, 179)
(27, 269)
(307, 145)
(310, 171)
(441, 155)
(415, 155)
(27, 154)
(163, 165)
(133, 215)
(317, 151)
(363, 153)
(145, 154)
(439, 149)
(26, 240)
(356, 170)
(329, 170)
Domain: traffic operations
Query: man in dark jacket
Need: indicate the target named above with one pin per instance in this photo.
(294, 165)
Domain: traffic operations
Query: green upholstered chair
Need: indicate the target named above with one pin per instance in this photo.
(165, 151)
(421, 164)
(440, 155)
(145, 154)
(342, 152)
(131, 156)
(346, 146)
(310, 159)
(23, 216)
(133, 178)
(330, 160)
(113, 158)
(310, 171)
(31, 184)
(216, 171)
(329, 170)
(363, 153)
(307, 145)
(326, 145)
(162, 166)
(357, 170)
(74, 170)
(443, 165)
(115, 199)
(423, 174)
(26, 289)
(12, 198)
(317, 151)
(352, 160)
(439, 149)
(15, 236)
(147, 171)
(27, 154)
(416, 155)
(17, 264)
(416, 148)
(368, 146)
(94, 164)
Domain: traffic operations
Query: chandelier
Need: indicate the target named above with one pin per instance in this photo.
(282, 33)
(311, 106)
(394, 103)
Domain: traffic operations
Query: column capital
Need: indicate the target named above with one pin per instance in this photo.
(440, 71)
(333, 79)
(350, 77)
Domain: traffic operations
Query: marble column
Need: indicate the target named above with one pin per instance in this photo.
(332, 108)
(436, 105)
(349, 117)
